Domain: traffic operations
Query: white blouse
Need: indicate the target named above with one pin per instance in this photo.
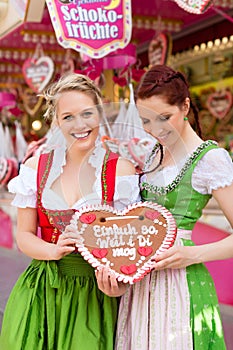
(214, 170)
(24, 186)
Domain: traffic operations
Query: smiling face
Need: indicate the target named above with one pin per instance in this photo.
(163, 121)
(78, 117)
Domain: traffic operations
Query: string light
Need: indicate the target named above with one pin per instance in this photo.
(36, 125)
(203, 50)
(225, 40)
(203, 46)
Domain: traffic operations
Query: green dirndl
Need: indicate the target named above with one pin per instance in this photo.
(56, 305)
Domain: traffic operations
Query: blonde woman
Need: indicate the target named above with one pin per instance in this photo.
(56, 303)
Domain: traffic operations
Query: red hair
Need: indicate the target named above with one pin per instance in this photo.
(161, 80)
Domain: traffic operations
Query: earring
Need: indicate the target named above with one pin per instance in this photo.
(186, 118)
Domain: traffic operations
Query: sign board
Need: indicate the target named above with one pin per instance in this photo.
(13, 13)
(94, 28)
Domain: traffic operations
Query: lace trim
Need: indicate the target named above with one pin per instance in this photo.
(59, 161)
(164, 190)
(104, 180)
(24, 201)
(96, 158)
(49, 175)
(226, 183)
(49, 212)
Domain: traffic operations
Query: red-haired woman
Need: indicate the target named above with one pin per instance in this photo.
(175, 306)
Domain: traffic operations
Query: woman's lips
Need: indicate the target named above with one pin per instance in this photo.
(82, 135)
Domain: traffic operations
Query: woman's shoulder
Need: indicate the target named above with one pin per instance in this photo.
(210, 157)
(26, 178)
(32, 162)
(207, 151)
(24, 185)
(125, 167)
(217, 154)
(214, 170)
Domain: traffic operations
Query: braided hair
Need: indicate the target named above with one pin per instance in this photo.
(70, 82)
(161, 80)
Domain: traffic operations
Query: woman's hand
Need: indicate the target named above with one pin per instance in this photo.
(176, 257)
(66, 243)
(108, 283)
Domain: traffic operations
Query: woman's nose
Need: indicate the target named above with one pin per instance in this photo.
(157, 125)
(79, 121)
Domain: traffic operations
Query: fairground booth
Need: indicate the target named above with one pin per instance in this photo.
(113, 42)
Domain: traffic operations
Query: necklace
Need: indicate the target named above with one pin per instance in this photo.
(152, 156)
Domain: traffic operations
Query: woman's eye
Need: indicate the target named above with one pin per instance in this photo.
(68, 117)
(86, 114)
(164, 117)
(145, 121)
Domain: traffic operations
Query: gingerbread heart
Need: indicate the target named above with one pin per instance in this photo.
(125, 241)
(219, 103)
(110, 144)
(118, 147)
(123, 150)
(31, 102)
(38, 73)
(207, 121)
(67, 66)
(195, 6)
(139, 149)
(3, 168)
(159, 49)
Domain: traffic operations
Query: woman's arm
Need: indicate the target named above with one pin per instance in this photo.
(182, 256)
(33, 246)
(222, 249)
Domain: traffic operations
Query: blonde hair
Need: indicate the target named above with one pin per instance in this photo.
(70, 82)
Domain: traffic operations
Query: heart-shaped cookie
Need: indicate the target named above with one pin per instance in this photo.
(194, 6)
(159, 49)
(139, 149)
(110, 144)
(3, 168)
(207, 121)
(38, 73)
(125, 241)
(67, 66)
(219, 103)
(31, 102)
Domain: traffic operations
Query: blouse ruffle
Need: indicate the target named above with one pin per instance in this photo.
(24, 186)
(214, 170)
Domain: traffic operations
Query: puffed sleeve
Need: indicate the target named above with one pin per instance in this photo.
(126, 191)
(213, 171)
(24, 187)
